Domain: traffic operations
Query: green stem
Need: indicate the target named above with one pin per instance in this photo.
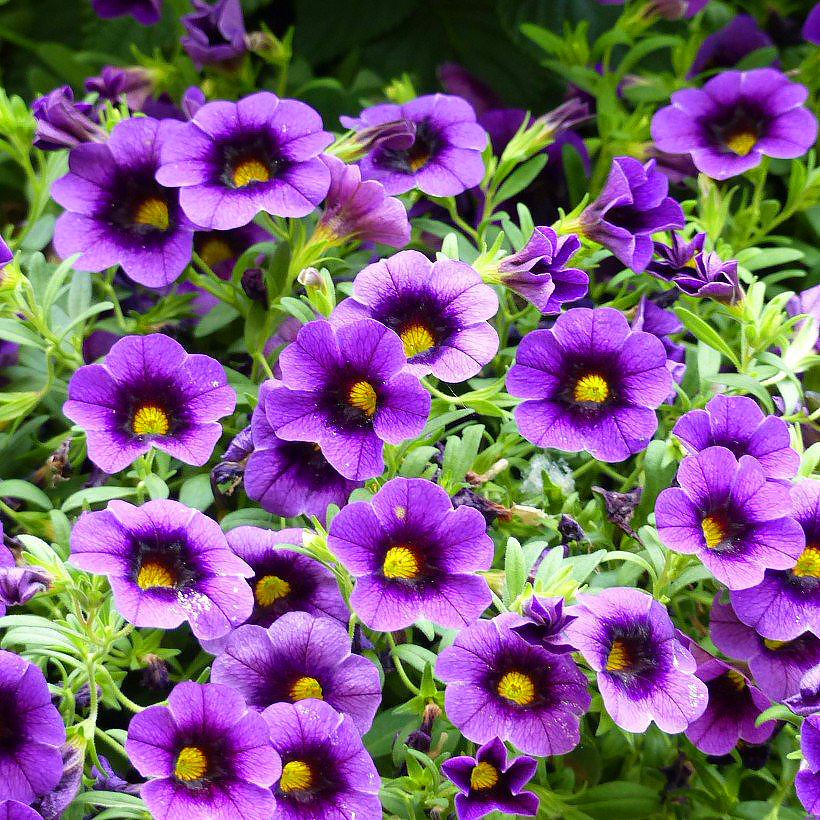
(398, 664)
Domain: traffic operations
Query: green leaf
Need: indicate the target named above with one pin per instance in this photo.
(618, 799)
(157, 488)
(521, 177)
(705, 333)
(197, 493)
(16, 488)
(515, 572)
(96, 495)
(13, 330)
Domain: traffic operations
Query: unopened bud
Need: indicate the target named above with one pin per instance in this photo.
(310, 278)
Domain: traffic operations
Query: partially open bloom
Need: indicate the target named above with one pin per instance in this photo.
(677, 259)
(727, 47)
(807, 700)
(214, 34)
(149, 393)
(115, 84)
(413, 556)
(543, 623)
(807, 782)
(709, 278)
(52, 805)
(590, 383)
(206, 755)
(145, 12)
(62, 123)
(18, 585)
(807, 302)
(166, 564)
(735, 120)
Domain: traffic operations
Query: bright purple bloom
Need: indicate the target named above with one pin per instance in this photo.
(300, 657)
(441, 155)
(811, 28)
(677, 259)
(590, 383)
(498, 685)
(326, 772)
(18, 585)
(145, 12)
(807, 699)
(413, 556)
(735, 120)
(544, 623)
(166, 564)
(644, 672)
(220, 250)
(233, 160)
(149, 393)
(727, 47)
(6, 256)
(206, 754)
(633, 205)
(62, 123)
(438, 309)
(807, 302)
(661, 323)
(807, 782)
(215, 34)
(114, 83)
(14, 810)
(52, 805)
(487, 783)
(710, 278)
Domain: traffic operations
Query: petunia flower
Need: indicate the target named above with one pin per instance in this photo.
(145, 12)
(15, 810)
(543, 624)
(807, 781)
(214, 34)
(807, 302)
(61, 123)
(811, 28)
(728, 46)
(807, 700)
(709, 278)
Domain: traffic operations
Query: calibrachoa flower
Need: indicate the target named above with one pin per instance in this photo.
(166, 564)
(233, 160)
(677, 259)
(807, 782)
(498, 685)
(344, 388)
(442, 157)
(487, 783)
(326, 772)
(737, 423)
(727, 47)
(114, 83)
(590, 383)
(633, 205)
(300, 657)
(206, 755)
(727, 514)
(145, 12)
(413, 556)
(220, 250)
(544, 623)
(149, 393)
(644, 671)
(32, 732)
(807, 699)
(811, 28)
(709, 278)
(14, 810)
(807, 302)
(215, 34)
(735, 120)
(6, 256)
(439, 310)
(62, 123)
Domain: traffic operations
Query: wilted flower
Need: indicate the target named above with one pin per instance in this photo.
(807, 700)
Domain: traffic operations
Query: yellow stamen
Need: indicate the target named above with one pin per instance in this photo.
(773, 645)
(305, 688)
(808, 564)
(248, 172)
(362, 396)
(517, 687)
(418, 161)
(150, 420)
(191, 764)
(154, 576)
(153, 213)
(214, 252)
(400, 564)
(483, 776)
(270, 589)
(741, 143)
(714, 531)
(296, 777)
(416, 339)
(736, 679)
(619, 659)
(591, 388)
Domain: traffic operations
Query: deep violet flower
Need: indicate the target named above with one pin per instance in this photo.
(145, 12)
(488, 783)
(149, 393)
(710, 278)
(735, 120)
(498, 685)
(326, 772)
(677, 259)
(439, 310)
(206, 754)
(300, 657)
(441, 157)
(51, 806)
(807, 699)
(807, 782)
(632, 206)
(644, 672)
(214, 34)
(811, 28)
(61, 123)
(590, 383)
(663, 324)
(233, 160)
(543, 624)
(413, 556)
(115, 83)
(117, 213)
(18, 585)
(166, 564)
(727, 47)
(14, 810)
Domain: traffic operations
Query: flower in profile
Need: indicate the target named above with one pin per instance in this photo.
(590, 383)
(440, 153)
(738, 424)
(498, 685)
(632, 206)
(346, 390)
(811, 28)
(6, 257)
(52, 805)
(149, 393)
(488, 783)
(438, 309)
(807, 781)
(166, 564)
(543, 624)
(15, 810)
(413, 556)
(117, 213)
(727, 47)
(61, 123)
(214, 34)
(538, 272)
(807, 699)
(115, 84)
(206, 754)
(18, 585)
(30, 761)
(233, 160)
(807, 302)
(145, 12)
(326, 771)
(709, 278)
(300, 657)
(735, 120)
(644, 671)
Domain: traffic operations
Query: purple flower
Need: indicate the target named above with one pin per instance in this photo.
(653, 319)
(811, 28)
(215, 34)
(145, 12)
(52, 805)
(206, 755)
(544, 623)
(62, 123)
(6, 257)
(498, 685)
(117, 213)
(114, 83)
(709, 278)
(727, 47)
(413, 557)
(361, 210)
(677, 259)
(345, 389)
(300, 657)
(538, 273)
(727, 514)
(18, 585)
(735, 120)
(233, 160)
(737, 423)
(441, 155)
(166, 564)
(807, 700)
(326, 771)
(633, 205)
(220, 250)
(192, 100)
(590, 383)
(438, 309)
(149, 393)
(807, 302)
(487, 783)
(14, 810)
(807, 782)
(30, 761)
(644, 671)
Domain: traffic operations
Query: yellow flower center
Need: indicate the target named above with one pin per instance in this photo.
(400, 564)
(483, 776)
(362, 396)
(153, 213)
(270, 589)
(191, 764)
(305, 688)
(154, 576)
(296, 777)
(517, 687)
(741, 143)
(150, 420)
(591, 388)
(619, 659)
(714, 531)
(808, 564)
(773, 645)
(214, 252)
(416, 340)
(736, 679)
(249, 171)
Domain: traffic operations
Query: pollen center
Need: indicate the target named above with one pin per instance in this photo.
(152, 213)
(483, 776)
(305, 688)
(400, 564)
(362, 396)
(773, 645)
(741, 143)
(191, 764)
(619, 659)
(150, 420)
(591, 388)
(214, 252)
(154, 576)
(737, 680)
(249, 171)
(714, 531)
(296, 777)
(416, 339)
(808, 564)
(517, 687)
(270, 589)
